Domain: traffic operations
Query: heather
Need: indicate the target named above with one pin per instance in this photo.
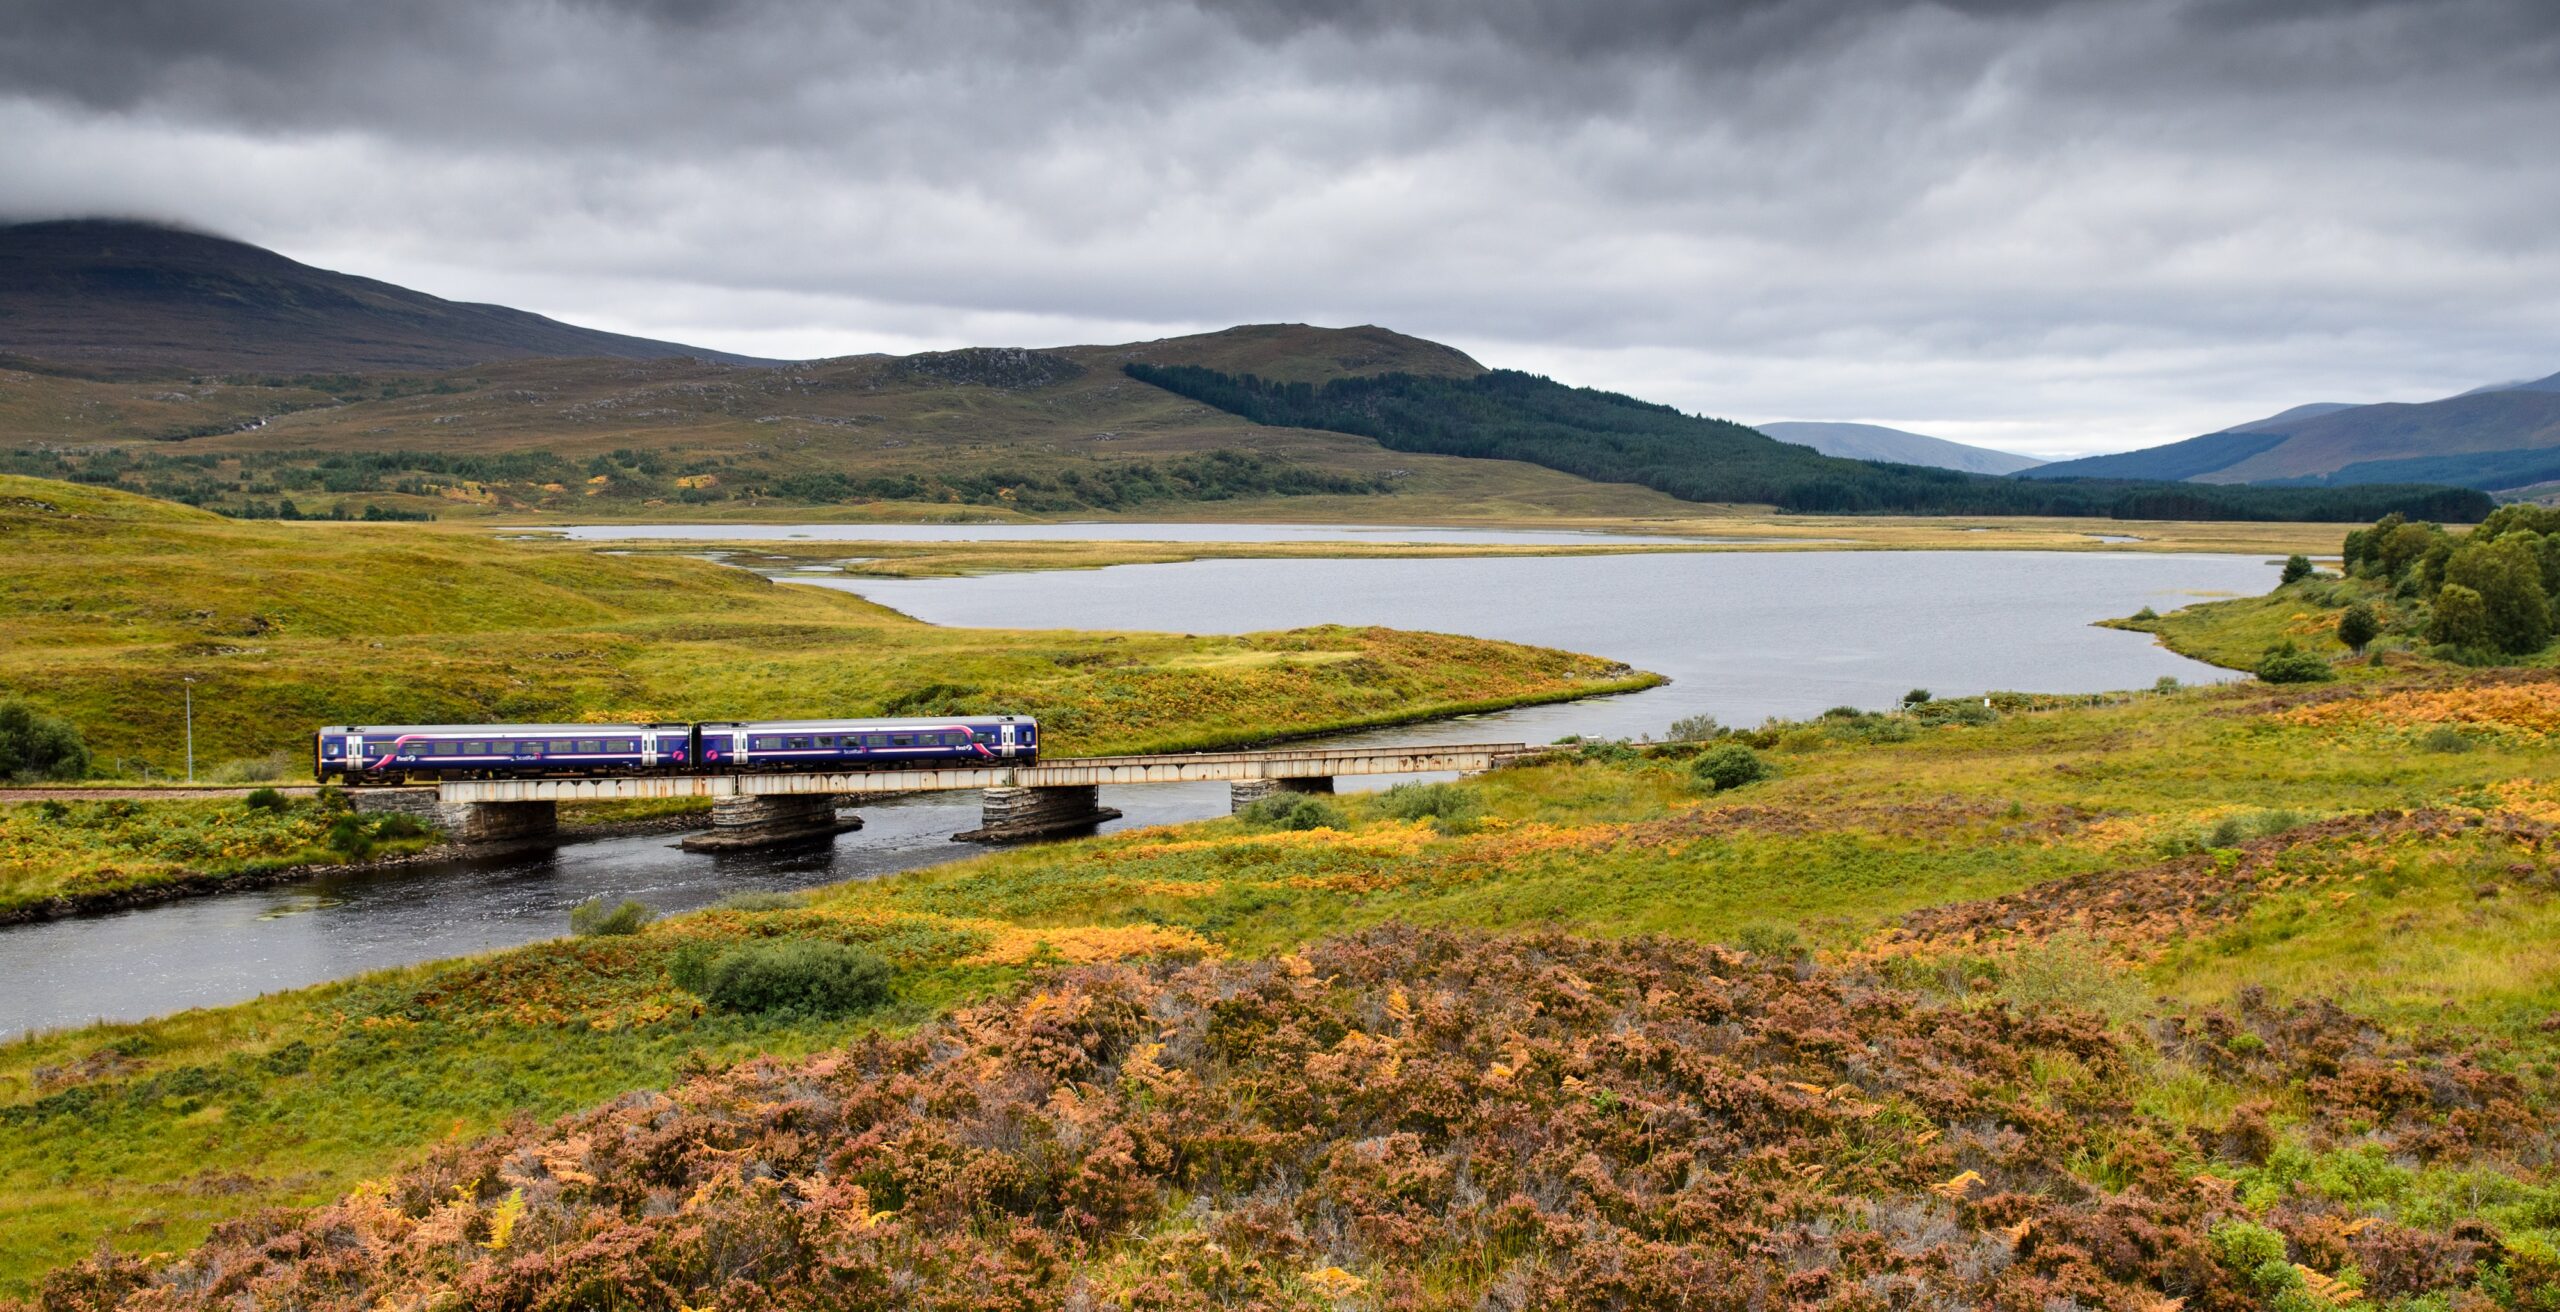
(2234, 995)
(1436, 1119)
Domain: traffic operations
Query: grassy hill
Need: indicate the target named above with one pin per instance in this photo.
(2493, 440)
(982, 432)
(110, 599)
(2226, 996)
(1505, 414)
(155, 301)
(1897, 446)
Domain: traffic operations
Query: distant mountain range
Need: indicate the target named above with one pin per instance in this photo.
(121, 297)
(324, 385)
(2501, 439)
(1895, 446)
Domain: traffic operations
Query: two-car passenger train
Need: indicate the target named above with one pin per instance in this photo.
(388, 753)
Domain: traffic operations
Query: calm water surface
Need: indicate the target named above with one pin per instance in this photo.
(1742, 636)
(1106, 532)
(209, 951)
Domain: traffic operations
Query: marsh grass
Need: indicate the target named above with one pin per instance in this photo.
(299, 1095)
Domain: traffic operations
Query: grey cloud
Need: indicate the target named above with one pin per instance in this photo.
(2080, 209)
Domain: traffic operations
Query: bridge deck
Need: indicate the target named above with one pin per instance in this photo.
(1176, 767)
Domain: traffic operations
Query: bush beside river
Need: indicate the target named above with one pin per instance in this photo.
(2241, 984)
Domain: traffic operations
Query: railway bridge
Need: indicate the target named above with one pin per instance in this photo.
(1022, 801)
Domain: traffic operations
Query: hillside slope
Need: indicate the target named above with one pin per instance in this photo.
(998, 430)
(110, 599)
(2492, 439)
(1509, 415)
(147, 299)
(1896, 446)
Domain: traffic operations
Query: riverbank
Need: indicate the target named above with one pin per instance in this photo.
(118, 599)
(2086, 863)
(1089, 545)
(108, 853)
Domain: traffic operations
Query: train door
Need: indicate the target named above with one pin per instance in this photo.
(1006, 740)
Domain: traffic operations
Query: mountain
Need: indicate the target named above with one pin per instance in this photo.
(2492, 439)
(1506, 415)
(139, 299)
(1894, 446)
(2279, 421)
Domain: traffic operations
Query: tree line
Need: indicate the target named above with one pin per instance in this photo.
(1508, 415)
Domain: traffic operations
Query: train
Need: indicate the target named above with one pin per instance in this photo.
(407, 753)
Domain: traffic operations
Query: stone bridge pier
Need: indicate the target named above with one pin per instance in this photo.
(464, 822)
(1246, 792)
(1009, 814)
(744, 820)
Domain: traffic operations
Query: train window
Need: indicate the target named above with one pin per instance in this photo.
(875, 740)
(902, 740)
(626, 744)
(799, 745)
(591, 745)
(446, 749)
(827, 741)
(506, 748)
(475, 749)
(768, 744)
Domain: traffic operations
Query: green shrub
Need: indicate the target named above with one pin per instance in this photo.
(398, 826)
(1967, 711)
(350, 836)
(2245, 1246)
(2291, 664)
(34, 745)
(2231, 831)
(1293, 811)
(1769, 940)
(593, 919)
(1730, 766)
(2296, 569)
(1916, 697)
(2072, 970)
(2460, 619)
(1420, 801)
(2145, 615)
(2444, 738)
(1692, 729)
(785, 977)
(264, 799)
(757, 900)
(2359, 626)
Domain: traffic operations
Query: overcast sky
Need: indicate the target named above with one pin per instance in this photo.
(2054, 226)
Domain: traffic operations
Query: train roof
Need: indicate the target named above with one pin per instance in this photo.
(498, 730)
(858, 722)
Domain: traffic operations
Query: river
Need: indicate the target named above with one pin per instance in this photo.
(1741, 635)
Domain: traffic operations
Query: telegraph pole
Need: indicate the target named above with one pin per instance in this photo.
(189, 681)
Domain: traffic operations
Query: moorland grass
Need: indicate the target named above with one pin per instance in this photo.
(147, 1134)
(286, 627)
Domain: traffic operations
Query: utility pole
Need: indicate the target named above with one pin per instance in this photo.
(189, 680)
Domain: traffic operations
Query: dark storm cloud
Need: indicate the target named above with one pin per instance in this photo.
(2063, 222)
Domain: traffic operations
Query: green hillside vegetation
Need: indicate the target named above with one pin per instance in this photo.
(2430, 598)
(2174, 462)
(2017, 1001)
(110, 599)
(1504, 414)
(2495, 440)
(978, 433)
